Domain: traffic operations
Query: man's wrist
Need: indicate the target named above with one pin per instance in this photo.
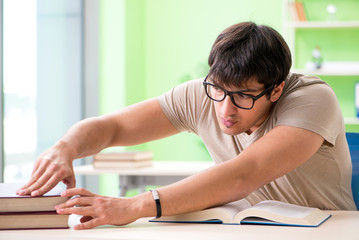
(66, 148)
(146, 205)
(156, 198)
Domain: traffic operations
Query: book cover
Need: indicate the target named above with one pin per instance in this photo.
(268, 212)
(127, 156)
(300, 11)
(11, 202)
(122, 164)
(33, 220)
(293, 11)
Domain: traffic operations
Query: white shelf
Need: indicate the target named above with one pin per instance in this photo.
(340, 68)
(311, 24)
(333, 72)
(352, 121)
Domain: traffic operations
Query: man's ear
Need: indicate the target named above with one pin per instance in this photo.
(277, 92)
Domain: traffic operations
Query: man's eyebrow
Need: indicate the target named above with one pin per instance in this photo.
(242, 90)
(226, 87)
(249, 90)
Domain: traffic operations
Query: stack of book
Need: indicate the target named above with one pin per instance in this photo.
(26, 212)
(133, 159)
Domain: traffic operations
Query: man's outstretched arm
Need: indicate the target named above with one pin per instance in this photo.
(277, 153)
(136, 124)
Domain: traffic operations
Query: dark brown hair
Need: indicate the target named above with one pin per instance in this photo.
(247, 50)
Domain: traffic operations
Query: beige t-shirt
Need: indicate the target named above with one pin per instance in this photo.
(324, 181)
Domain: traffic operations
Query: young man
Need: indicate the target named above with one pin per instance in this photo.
(273, 135)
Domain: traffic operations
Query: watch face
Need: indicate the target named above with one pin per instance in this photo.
(155, 194)
(158, 204)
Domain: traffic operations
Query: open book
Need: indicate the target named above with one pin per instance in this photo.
(241, 212)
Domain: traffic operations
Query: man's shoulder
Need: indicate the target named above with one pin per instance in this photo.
(306, 85)
(296, 80)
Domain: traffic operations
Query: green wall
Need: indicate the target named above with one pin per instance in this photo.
(149, 46)
(179, 36)
(339, 44)
(111, 70)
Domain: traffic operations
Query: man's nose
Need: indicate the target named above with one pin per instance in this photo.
(228, 108)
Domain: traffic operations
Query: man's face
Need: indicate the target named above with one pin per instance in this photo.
(233, 120)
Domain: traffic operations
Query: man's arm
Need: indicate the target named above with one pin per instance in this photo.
(278, 152)
(139, 123)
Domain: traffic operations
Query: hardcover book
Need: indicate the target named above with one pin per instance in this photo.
(122, 164)
(27, 212)
(125, 156)
(33, 220)
(11, 202)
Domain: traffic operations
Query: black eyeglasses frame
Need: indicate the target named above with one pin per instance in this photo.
(230, 94)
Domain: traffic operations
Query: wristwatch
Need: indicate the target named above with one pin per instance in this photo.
(156, 197)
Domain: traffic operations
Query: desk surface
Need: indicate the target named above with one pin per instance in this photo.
(159, 168)
(342, 225)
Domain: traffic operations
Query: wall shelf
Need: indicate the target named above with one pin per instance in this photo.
(333, 72)
(323, 24)
(352, 120)
(340, 68)
(343, 62)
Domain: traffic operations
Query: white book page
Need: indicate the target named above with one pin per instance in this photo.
(283, 209)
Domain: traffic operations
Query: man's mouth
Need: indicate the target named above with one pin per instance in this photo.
(228, 122)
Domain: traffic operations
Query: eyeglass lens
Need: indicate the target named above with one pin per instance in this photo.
(240, 100)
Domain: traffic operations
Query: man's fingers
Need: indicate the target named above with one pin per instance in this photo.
(39, 183)
(34, 183)
(77, 191)
(22, 190)
(27, 188)
(82, 211)
(76, 201)
(70, 182)
(45, 187)
(89, 224)
(85, 219)
(37, 179)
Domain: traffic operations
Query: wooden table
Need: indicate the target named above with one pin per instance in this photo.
(342, 225)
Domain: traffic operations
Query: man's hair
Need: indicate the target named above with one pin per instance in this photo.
(246, 50)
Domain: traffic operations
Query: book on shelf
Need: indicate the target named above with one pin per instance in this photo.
(32, 220)
(11, 202)
(300, 11)
(121, 164)
(293, 11)
(126, 156)
(267, 212)
(27, 212)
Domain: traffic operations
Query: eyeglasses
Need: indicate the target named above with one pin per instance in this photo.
(239, 99)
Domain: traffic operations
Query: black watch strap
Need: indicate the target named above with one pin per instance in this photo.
(156, 197)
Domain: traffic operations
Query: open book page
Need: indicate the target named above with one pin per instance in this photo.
(224, 214)
(281, 212)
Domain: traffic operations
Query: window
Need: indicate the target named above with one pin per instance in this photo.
(42, 78)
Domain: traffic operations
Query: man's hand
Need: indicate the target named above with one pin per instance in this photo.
(99, 210)
(53, 166)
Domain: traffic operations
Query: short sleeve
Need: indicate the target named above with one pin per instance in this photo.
(313, 107)
(182, 105)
